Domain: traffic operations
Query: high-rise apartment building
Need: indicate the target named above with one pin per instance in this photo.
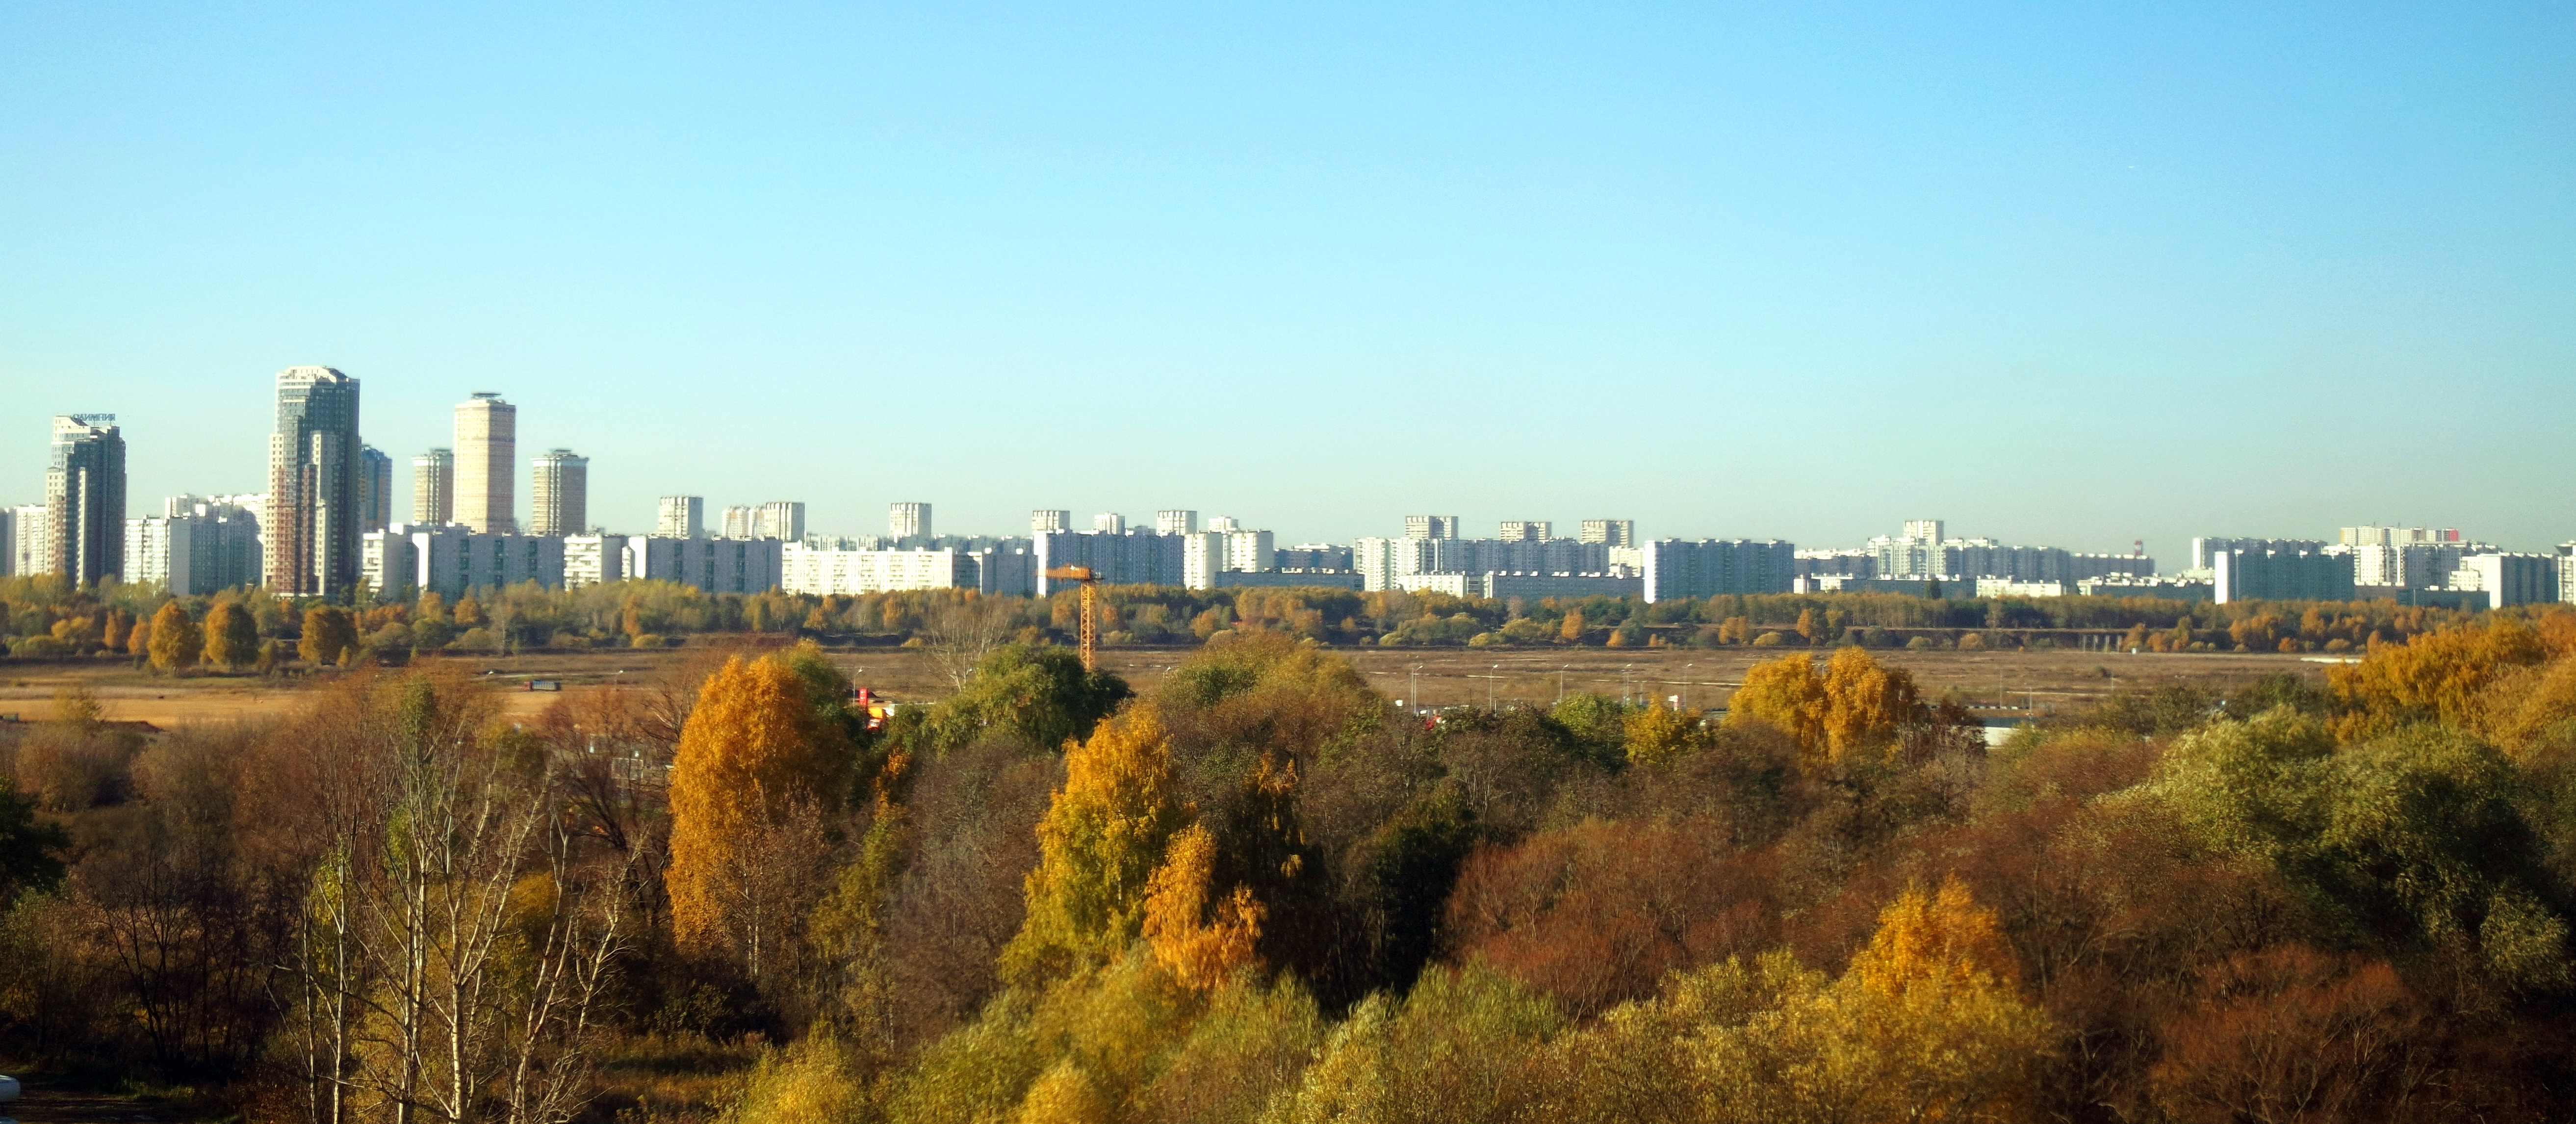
(780, 519)
(1528, 530)
(375, 489)
(433, 488)
(85, 498)
(680, 517)
(1046, 519)
(1109, 523)
(907, 521)
(1431, 526)
(1926, 530)
(487, 452)
(1174, 521)
(32, 551)
(1610, 532)
(559, 494)
(309, 531)
(8, 541)
(739, 522)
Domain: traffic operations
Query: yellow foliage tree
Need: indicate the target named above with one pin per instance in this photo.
(1850, 705)
(174, 638)
(1199, 954)
(1572, 630)
(2434, 675)
(1865, 702)
(138, 640)
(232, 637)
(469, 612)
(1657, 734)
(752, 753)
(1099, 845)
(328, 633)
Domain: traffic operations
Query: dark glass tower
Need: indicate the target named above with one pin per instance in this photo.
(85, 497)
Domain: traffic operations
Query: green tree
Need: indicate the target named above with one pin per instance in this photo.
(31, 852)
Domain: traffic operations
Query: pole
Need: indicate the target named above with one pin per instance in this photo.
(1560, 684)
(1490, 680)
(1413, 686)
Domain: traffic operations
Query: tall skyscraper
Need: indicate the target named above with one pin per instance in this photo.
(908, 521)
(375, 489)
(1176, 522)
(433, 488)
(1047, 519)
(85, 498)
(559, 498)
(783, 519)
(681, 517)
(487, 452)
(309, 532)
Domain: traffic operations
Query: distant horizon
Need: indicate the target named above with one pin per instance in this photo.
(2060, 277)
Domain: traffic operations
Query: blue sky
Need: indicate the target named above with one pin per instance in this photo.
(2060, 273)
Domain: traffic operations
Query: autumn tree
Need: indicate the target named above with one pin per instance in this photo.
(753, 756)
(1850, 705)
(328, 632)
(174, 641)
(1201, 944)
(232, 637)
(1098, 847)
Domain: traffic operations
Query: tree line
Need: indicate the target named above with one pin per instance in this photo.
(250, 628)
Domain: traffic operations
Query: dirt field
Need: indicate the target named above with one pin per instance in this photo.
(1427, 676)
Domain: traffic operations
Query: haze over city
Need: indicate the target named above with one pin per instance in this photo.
(2074, 277)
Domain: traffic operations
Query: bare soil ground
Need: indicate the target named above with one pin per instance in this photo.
(1702, 677)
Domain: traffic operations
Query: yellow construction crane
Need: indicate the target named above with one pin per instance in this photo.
(1090, 580)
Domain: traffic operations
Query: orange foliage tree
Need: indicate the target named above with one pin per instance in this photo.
(753, 758)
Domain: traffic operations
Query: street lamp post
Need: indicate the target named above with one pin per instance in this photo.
(1686, 684)
(1560, 684)
(1490, 680)
(1413, 686)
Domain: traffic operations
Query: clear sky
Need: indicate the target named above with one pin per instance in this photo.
(2059, 273)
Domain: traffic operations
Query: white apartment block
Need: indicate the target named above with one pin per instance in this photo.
(2007, 587)
(201, 549)
(1609, 532)
(730, 565)
(783, 520)
(1431, 526)
(2567, 573)
(1676, 568)
(738, 522)
(1046, 519)
(402, 561)
(907, 521)
(680, 517)
(2509, 579)
(593, 560)
(1174, 521)
(1109, 523)
(852, 572)
(32, 552)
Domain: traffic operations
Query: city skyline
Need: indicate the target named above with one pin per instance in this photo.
(2068, 279)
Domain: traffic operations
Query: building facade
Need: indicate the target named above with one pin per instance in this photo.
(433, 488)
(194, 550)
(852, 572)
(1047, 519)
(487, 460)
(2206, 549)
(1120, 558)
(1431, 526)
(559, 493)
(32, 552)
(1609, 532)
(779, 519)
(1176, 521)
(680, 517)
(85, 498)
(1312, 556)
(2509, 579)
(734, 565)
(2278, 575)
(375, 489)
(593, 559)
(906, 521)
(1677, 568)
(309, 531)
